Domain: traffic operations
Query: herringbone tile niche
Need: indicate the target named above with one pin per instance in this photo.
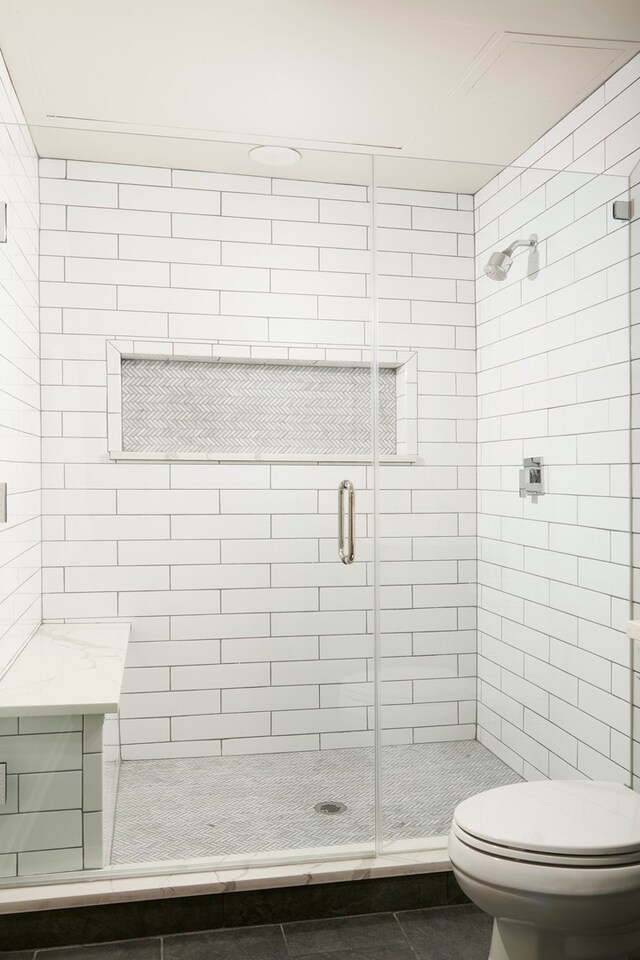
(232, 407)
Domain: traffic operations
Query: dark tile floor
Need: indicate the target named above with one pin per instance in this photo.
(441, 933)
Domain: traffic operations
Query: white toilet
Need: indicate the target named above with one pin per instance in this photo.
(557, 864)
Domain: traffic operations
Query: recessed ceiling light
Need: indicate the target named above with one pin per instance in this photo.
(275, 156)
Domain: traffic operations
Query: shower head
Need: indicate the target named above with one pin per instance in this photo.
(498, 266)
(500, 262)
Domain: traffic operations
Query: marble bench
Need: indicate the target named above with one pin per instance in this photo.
(53, 700)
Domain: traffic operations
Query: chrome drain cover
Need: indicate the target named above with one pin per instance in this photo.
(330, 807)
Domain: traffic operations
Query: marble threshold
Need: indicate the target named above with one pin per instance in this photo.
(118, 885)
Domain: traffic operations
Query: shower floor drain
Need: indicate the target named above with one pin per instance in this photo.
(330, 807)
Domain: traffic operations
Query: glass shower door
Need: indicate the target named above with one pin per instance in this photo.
(424, 246)
(634, 286)
(269, 745)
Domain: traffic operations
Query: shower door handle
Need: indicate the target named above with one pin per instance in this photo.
(347, 555)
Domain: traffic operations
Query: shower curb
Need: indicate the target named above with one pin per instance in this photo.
(96, 923)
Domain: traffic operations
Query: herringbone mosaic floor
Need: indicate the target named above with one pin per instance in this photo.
(203, 807)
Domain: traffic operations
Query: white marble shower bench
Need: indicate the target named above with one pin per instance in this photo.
(67, 668)
(53, 701)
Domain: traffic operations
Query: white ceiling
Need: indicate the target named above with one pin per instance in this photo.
(176, 82)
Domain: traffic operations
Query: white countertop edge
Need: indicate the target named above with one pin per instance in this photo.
(85, 892)
(50, 709)
(67, 669)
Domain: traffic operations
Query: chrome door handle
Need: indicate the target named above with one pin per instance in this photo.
(347, 555)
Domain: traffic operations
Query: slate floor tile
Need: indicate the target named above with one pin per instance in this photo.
(148, 949)
(343, 934)
(243, 943)
(448, 933)
(391, 951)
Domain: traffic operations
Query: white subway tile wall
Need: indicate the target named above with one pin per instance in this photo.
(20, 536)
(553, 381)
(427, 511)
(248, 633)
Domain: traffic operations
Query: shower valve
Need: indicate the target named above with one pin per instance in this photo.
(531, 478)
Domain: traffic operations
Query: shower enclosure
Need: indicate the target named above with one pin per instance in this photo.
(288, 452)
(345, 724)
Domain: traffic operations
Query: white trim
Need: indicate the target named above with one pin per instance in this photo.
(257, 457)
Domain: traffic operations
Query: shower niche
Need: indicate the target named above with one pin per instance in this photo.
(250, 403)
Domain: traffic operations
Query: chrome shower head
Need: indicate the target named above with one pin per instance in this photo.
(500, 262)
(498, 266)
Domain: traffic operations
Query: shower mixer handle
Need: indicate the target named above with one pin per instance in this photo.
(347, 554)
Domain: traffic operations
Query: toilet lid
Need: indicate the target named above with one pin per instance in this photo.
(574, 817)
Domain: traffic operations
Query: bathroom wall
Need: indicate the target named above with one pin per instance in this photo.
(20, 573)
(249, 635)
(553, 381)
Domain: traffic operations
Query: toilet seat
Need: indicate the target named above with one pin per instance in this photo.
(557, 823)
(544, 858)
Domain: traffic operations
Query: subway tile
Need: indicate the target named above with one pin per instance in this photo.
(167, 704)
(42, 753)
(320, 235)
(319, 721)
(201, 276)
(159, 502)
(219, 676)
(102, 220)
(201, 180)
(67, 243)
(254, 699)
(172, 299)
(112, 578)
(167, 250)
(117, 172)
(329, 191)
(143, 197)
(415, 241)
(72, 294)
(269, 207)
(268, 304)
(167, 602)
(117, 528)
(80, 605)
(269, 255)
(203, 627)
(41, 831)
(139, 272)
(220, 726)
(78, 193)
(432, 218)
(317, 282)
(200, 227)
(168, 653)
